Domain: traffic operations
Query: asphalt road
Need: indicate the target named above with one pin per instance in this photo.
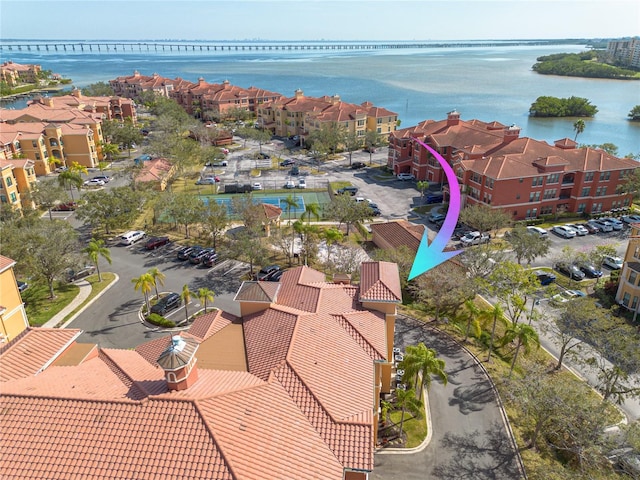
(470, 439)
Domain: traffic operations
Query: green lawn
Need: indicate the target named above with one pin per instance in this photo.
(416, 430)
(40, 308)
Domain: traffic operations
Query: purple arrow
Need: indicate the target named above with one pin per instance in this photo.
(430, 256)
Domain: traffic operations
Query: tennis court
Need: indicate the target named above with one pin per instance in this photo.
(301, 199)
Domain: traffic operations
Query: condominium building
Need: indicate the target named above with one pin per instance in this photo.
(13, 318)
(625, 51)
(628, 293)
(522, 176)
(289, 389)
(15, 74)
(17, 179)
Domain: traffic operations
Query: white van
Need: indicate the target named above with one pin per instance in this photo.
(132, 237)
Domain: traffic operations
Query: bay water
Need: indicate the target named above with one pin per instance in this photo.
(483, 82)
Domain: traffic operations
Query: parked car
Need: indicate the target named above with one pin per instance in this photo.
(614, 263)
(61, 169)
(22, 286)
(275, 277)
(434, 198)
(266, 272)
(563, 231)
(602, 225)
(210, 260)
(208, 181)
(93, 183)
(570, 270)
(195, 251)
(290, 184)
(545, 278)
(580, 231)
(629, 219)
(589, 227)
(405, 176)
(256, 186)
(287, 162)
(302, 183)
(196, 258)
(222, 163)
(184, 252)
(615, 223)
(104, 178)
(435, 217)
(129, 238)
(541, 232)
(358, 165)
(294, 171)
(65, 207)
(474, 238)
(74, 275)
(567, 295)
(264, 156)
(589, 270)
(154, 242)
(350, 190)
(167, 303)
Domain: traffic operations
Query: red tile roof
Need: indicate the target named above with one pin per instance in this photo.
(379, 282)
(398, 233)
(5, 263)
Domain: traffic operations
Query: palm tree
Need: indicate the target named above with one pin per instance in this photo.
(331, 236)
(422, 362)
(204, 295)
(79, 169)
(186, 298)
(312, 209)
(290, 203)
(578, 127)
(406, 400)
(472, 319)
(157, 276)
(94, 251)
(69, 179)
(144, 283)
(524, 335)
(109, 150)
(496, 313)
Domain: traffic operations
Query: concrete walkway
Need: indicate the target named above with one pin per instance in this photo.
(83, 294)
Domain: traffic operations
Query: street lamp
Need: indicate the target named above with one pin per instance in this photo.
(533, 304)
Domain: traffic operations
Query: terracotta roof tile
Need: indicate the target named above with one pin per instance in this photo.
(33, 350)
(379, 281)
(208, 324)
(253, 291)
(5, 263)
(368, 329)
(398, 233)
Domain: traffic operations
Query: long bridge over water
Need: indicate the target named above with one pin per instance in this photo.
(196, 47)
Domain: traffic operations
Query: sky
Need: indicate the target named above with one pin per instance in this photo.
(318, 19)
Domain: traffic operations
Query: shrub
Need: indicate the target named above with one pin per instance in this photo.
(160, 321)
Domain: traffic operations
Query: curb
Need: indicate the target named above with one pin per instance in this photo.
(86, 305)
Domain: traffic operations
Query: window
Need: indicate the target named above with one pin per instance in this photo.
(548, 194)
(13, 197)
(548, 210)
(476, 177)
(37, 156)
(625, 299)
(588, 177)
(585, 191)
(488, 182)
(3, 199)
(634, 304)
(9, 181)
(601, 191)
(582, 207)
(632, 277)
(636, 252)
(532, 213)
(534, 197)
(537, 181)
(596, 208)
(34, 144)
(604, 176)
(553, 178)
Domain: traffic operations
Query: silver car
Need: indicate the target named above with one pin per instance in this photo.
(563, 231)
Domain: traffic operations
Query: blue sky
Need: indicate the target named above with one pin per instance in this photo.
(318, 19)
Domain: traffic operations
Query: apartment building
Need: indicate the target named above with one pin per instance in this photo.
(625, 51)
(522, 176)
(15, 74)
(628, 293)
(132, 86)
(111, 108)
(301, 115)
(18, 179)
(13, 318)
(289, 389)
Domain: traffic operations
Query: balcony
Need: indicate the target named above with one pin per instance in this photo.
(568, 180)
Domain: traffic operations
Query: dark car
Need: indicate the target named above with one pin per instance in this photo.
(287, 162)
(375, 211)
(74, 275)
(350, 190)
(570, 270)
(210, 260)
(295, 170)
(22, 286)
(590, 227)
(183, 253)
(545, 278)
(434, 198)
(589, 270)
(266, 272)
(358, 165)
(169, 302)
(155, 242)
(65, 207)
(264, 155)
(199, 257)
(275, 277)
(195, 252)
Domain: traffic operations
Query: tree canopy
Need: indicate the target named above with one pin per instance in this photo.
(547, 106)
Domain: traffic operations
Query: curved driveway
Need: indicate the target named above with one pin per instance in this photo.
(470, 439)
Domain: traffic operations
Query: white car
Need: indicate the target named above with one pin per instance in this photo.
(132, 237)
(614, 263)
(541, 232)
(580, 231)
(94, 183)
(474, 238)
(256, 186)
(603, 225)
(563, 231)
(302, 183)
(406, 176)
(615, 223)
(290, 184)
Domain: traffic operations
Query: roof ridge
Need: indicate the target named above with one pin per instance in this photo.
(120, 372)
(344, 321)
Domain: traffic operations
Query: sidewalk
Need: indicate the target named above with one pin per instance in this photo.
(85, 291)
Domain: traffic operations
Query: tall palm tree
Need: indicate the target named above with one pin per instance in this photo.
(496, 313)
(423, 363)
(204, 295)
(186, 298)
(290, 203)
(331, 236)
(94, 251)
(109, 150)
(472, 318)
(312, 209)
(144, 283)
(158, 277)
(578, 127)
(69, 179)
(406, 400)
(79, 169)
(525, 336)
